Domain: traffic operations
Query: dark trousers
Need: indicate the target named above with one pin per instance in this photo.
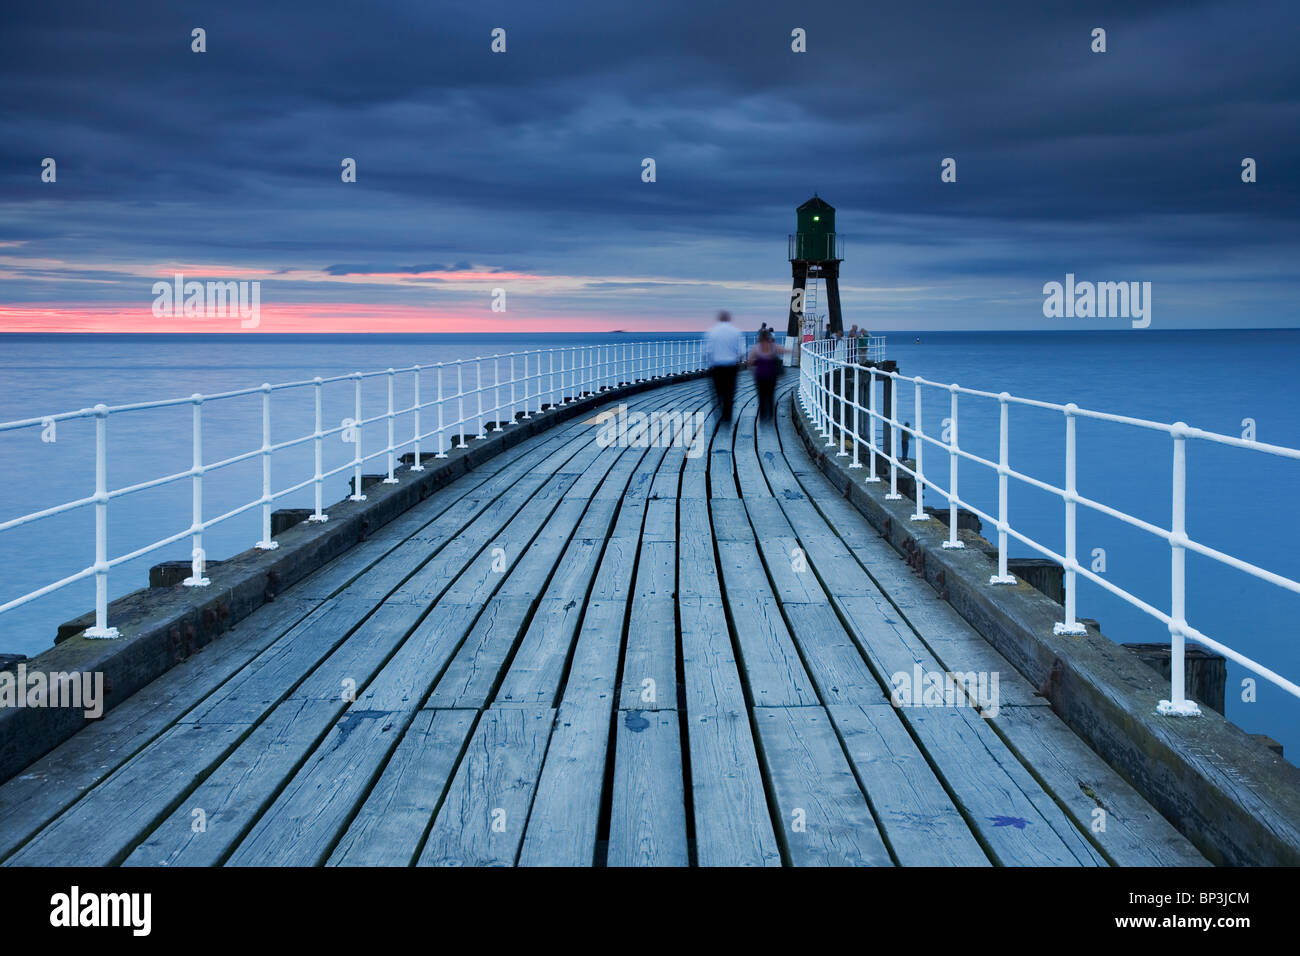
(724, 383)
(766, 397)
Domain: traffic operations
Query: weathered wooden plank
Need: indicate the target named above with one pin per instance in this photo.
(893, 647)
(920, 822)
(1128, 830)
(943, 632)
(245, 780)
(275, 673)
(393, 697)
(614, 579)
(722, 479)
(773, 670)
(593, 671)
(695, 471)
(833, 660)
(563, 826)
(733, 826)
(405, 678)
(99, 832)
(482, 575)
(411, 555)
(824, 817)
(305, 820)
(391, 823)
(59, 779)
(472, 544)
(241, 785)
(647, 825)
(538, 665)
(472, 675)
(711, 678)
(1018, 823)
(482, 819)
(650, 663)
(730, 520)
(788, 567)
(749, 475)
(668, 478)
(660, 520)
(697, 569)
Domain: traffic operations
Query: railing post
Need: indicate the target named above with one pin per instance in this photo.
(844, 409)
(514, 402)
(918, 436)
(551, 382)
(828, 401)
(1004, 445)
(1178, 705)
(318, 385)
(460, 398)
(478, 389)
(392, 420)
(527, 377)
(496, 393)
(1070, 626)
(442, 439)
(539, 381)
(953, 461)
(101, 628)
(872, 412)
(197, 558)
(857, 396)
(266, 544)
(894, 429)
(356, 430)
(417, 463)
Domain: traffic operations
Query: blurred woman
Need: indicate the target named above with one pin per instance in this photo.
(766, 362)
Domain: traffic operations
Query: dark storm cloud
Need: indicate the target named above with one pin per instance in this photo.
(1066, 158)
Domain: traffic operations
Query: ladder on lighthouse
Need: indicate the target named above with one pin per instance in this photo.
(808, 322)
(810, 306)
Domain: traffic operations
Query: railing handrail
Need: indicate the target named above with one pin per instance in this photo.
(830, 412)
(583, 369)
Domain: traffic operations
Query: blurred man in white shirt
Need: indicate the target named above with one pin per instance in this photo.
(724, 349)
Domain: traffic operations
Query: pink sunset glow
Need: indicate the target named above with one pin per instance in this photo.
(315, 317)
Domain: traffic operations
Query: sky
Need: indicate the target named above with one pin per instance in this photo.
(523, 170)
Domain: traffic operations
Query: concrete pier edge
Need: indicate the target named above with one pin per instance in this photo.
(162, 626)
(1236, 800)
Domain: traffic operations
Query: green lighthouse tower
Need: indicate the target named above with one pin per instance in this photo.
(816, 252)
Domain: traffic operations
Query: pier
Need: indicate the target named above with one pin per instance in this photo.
(565, 652)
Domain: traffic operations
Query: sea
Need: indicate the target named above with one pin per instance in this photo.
(1242, 502)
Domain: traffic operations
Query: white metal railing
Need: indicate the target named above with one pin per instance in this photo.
(862, 348)
(523, 384)
(832, 404)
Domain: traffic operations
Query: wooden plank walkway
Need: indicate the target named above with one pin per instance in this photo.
(576, 655)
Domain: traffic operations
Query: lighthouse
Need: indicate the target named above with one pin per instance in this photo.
(815, 254)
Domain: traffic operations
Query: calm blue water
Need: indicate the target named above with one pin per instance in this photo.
(1238, 501)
